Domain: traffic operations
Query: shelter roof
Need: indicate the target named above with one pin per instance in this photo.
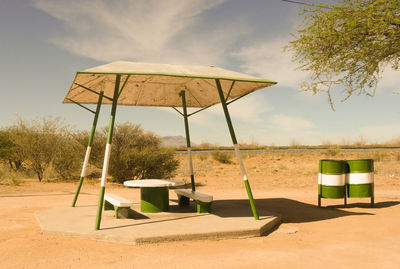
(152, 84)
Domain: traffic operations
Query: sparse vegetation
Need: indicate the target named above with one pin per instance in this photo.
(332, 151)
(136, 154)
(52, 150)
(9, 177)
(221, 156)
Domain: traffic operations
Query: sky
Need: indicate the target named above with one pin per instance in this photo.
(43, 43)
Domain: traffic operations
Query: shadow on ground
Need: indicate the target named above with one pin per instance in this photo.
(38, 195)
(292, 211)
(368, 205)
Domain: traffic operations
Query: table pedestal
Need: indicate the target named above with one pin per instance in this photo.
(154, 199)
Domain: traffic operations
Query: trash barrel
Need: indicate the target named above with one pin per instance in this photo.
(360, 180)
(332, 180)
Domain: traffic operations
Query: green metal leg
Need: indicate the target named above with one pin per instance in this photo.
(99, 208)
(87, 155)
(237, 151)
(107, 153)
(185, 116)
(154, 199)
(77, 191)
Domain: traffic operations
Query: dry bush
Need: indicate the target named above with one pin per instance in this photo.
(393, 142)
(294, 142)
(332, 151)
(221, 156)
(136, 154)
(360, 141)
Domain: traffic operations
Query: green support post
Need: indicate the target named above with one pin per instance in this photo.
(185, 116)
(107, 153)
(89, 147)
(237, 150)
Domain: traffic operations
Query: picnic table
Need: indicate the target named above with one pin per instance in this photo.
(154, 194)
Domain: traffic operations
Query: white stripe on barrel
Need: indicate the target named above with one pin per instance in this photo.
(331, 180)
(240, 161)
(86, 161)
(105, 165)
(360, 178)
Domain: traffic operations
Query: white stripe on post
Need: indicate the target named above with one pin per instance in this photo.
(105, 165)
(361, 178)
(333, 180)
(86, 161)
(240, 160)
(190, 161)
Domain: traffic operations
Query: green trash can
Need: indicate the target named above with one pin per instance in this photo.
(332, 180)
(360, 179)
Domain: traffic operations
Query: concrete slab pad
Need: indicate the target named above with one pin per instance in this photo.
(229, 219)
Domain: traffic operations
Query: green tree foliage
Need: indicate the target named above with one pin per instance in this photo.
(136, 154)
(348, 44)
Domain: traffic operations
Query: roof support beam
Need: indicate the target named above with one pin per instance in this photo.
(230, 89)
(94, 112)
(123, 85)
(93, 91)
(231, 101)
(177, 110)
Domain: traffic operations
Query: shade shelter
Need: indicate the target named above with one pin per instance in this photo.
(163, 85)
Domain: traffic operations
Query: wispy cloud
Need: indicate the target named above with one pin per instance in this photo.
(287, 123)
(250, 110)
(141, 30)
(390, 80)
(268, 59)
(380, 133)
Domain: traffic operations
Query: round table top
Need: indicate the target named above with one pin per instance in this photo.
(149, 183)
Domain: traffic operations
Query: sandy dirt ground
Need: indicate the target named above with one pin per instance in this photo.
(309, 237)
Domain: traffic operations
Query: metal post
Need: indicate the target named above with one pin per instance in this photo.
(89, 147)
(237, 150)
(107, 153)
(185, 116)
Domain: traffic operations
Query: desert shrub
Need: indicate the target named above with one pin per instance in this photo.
(203, 157)
(68, 158)
(9, 176)
(38, 142)
(136, 154)
(332, 151)
(222, 157)
(98, 145)
(9, 152)
(143, 163)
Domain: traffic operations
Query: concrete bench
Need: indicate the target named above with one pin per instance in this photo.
(203, 201)
(118, 204)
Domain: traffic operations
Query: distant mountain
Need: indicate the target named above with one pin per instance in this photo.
(175, 141)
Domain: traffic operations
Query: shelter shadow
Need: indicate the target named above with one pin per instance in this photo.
(291, 211)
(367, 205)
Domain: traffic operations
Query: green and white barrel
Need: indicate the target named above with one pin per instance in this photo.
(360, 179)
(332, 179)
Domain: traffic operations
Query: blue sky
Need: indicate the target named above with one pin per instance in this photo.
(44, 42)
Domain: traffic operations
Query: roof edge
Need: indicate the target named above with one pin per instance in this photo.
(181, 75)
